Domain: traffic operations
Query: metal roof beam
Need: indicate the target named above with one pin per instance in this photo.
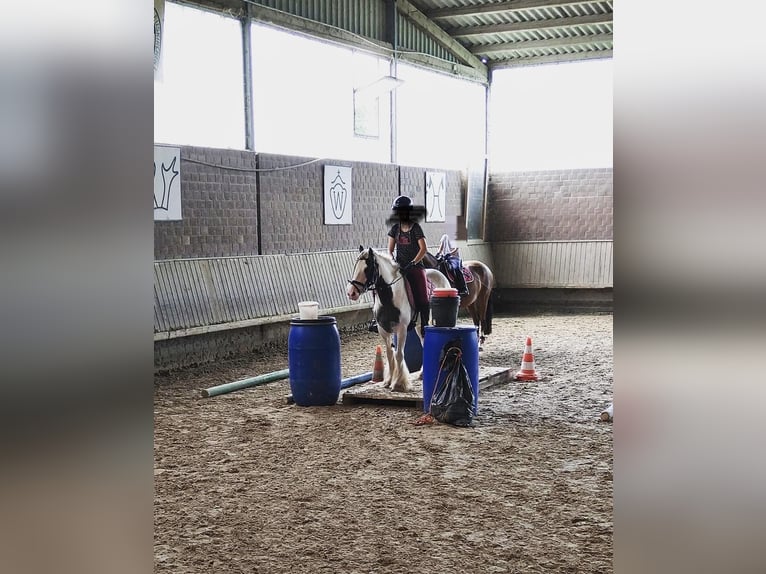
(552, 59)
(438, 65)
(420, 20)
(514, 6)
(232, 8)
(538, 44)
(597, 19)
(315, 29)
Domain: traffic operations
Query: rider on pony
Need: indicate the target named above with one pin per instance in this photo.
(450, 254)
(406, 237)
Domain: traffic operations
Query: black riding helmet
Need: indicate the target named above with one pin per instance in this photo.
(402, 209)
(402, 203)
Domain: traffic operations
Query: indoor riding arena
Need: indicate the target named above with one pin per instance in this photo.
(286, 134)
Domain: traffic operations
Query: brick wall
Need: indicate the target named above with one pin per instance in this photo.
(220, 206)
(566, 205)
(292, 209)
(413, 184)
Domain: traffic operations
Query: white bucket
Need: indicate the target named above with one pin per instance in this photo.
(308, 309)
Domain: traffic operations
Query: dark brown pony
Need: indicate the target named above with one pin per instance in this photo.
(479, 298)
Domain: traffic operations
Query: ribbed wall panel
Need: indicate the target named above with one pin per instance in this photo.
(181, 296)
(573, 264)
(191, 293)
(414, 39)
(364, 17)
(478, 252)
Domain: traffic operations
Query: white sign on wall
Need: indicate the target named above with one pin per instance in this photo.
(159, 27)
(337, 195)
(436, 196)
(167, 183)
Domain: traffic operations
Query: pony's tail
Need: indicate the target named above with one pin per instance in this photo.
(486, 325)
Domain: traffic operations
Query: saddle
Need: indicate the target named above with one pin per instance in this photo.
(450, 274)
(411, 299)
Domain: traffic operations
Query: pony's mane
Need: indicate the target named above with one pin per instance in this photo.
(386, 256)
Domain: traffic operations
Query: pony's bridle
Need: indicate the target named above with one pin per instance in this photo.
(371, 272)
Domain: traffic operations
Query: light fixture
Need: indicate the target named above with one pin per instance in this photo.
(379, 87)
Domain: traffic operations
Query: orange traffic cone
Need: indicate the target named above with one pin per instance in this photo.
(527, 372)
(377, 368)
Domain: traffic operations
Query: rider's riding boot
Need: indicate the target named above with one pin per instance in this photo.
(462, 288)
(413, 322)
(425, 315)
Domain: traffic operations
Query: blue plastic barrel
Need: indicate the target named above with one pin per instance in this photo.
(435, 339)
(313, 356)
(413, 351)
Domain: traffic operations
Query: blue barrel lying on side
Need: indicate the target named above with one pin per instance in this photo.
(313, 356)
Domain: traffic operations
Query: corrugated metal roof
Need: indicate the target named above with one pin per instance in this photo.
(509, 33)
(465, 37)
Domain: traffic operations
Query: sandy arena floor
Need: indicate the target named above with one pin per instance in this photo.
(245, 482)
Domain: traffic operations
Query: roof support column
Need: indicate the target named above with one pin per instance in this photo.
(247, 74)
(485, 186)
(392, 37)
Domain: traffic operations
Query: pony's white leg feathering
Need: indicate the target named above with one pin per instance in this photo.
(387, 377)
(400, 380)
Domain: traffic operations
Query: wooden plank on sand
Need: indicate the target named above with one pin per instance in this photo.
(375, 393)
